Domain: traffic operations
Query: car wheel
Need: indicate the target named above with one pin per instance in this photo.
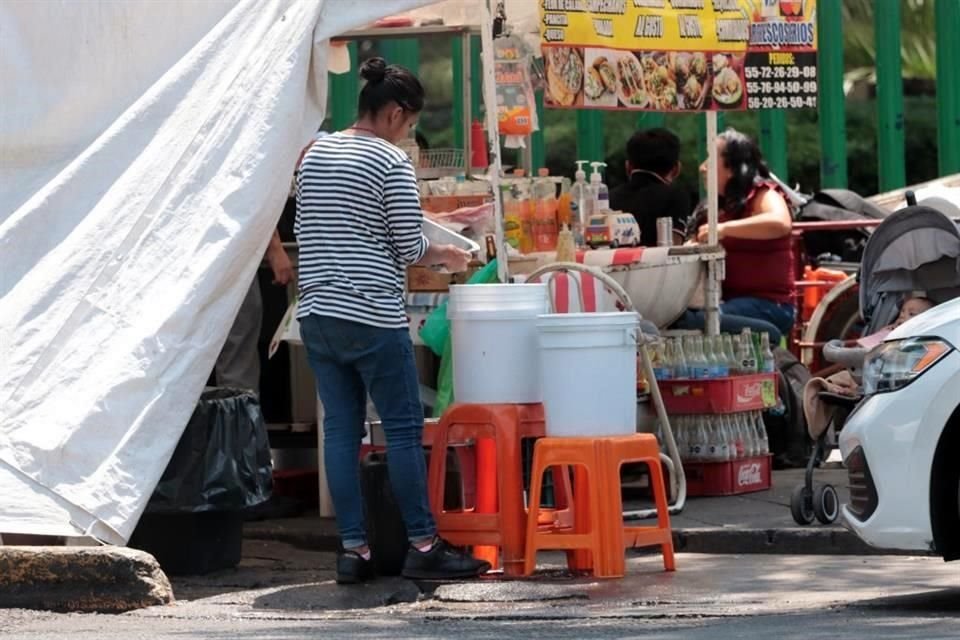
(801, 506)
(826, 504)
(614, 244)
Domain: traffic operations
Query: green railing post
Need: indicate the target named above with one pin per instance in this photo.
(948, 85)
(344, 89)
(832, 111)
(890, 142)
(476, 78)
(538, 147)
(651, 120)
(456, 54)
(590, 145)
(773, 141)
(401, 51)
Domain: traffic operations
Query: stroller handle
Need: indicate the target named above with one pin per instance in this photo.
(850, 357)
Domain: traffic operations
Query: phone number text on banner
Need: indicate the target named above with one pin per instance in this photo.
(679, 55)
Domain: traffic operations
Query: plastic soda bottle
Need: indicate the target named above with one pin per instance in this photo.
(747, 357)
(545, 213)
(658, 360)
(761, 429)
(768, 363)
(681, 368)
(728, 444)
(729, 354)
(721, 368)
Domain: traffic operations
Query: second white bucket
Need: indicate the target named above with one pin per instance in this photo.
(494, 339)
(589, 367)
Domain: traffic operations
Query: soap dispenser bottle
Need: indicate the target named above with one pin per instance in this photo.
(580, 204)
(598, 190)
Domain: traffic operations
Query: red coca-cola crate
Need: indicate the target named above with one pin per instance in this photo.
(719, 395)
(729, 478)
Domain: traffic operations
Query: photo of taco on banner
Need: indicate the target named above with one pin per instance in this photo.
(564, 68)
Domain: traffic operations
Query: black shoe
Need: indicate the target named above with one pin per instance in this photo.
(353, 569)
(442, 562)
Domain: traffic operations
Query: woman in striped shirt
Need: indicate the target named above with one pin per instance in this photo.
(359, 225)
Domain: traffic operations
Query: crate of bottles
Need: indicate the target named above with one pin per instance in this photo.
(718, 374)
(724, 454)
(733, 394)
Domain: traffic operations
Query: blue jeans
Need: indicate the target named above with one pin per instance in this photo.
(756, 313)
(350, 360)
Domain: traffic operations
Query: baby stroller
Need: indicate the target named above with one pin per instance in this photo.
(915, 252)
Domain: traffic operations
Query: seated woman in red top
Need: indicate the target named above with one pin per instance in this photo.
(754, 229)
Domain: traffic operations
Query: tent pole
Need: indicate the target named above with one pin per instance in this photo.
(712, 292)
(493, 134)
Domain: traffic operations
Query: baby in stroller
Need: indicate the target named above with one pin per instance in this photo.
(851, 356)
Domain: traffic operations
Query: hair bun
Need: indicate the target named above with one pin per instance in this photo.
(374, 70)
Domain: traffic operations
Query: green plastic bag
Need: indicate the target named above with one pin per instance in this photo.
(435, 333)
(436, 329)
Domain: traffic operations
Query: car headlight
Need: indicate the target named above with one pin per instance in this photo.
(894, 365)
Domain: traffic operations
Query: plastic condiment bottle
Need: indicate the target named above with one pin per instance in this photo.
(525, 203)
(545, 213)
(512, 219)
(580, 204)
(599, 192)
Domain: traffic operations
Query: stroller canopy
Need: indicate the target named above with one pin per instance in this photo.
(916, 249)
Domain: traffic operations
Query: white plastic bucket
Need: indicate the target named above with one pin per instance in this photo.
(589, 367)
(494, 338)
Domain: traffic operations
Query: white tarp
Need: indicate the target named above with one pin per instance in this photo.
(146, 149)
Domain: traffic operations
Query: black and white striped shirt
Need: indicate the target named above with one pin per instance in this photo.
(359, 225)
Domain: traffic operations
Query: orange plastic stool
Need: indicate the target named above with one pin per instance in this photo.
(599, 537)
(499, 518)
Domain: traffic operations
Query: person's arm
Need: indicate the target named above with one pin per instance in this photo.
(771, 221)
(401, 199)
(279, 261)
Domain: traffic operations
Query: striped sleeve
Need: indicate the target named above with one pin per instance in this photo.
(401, 199)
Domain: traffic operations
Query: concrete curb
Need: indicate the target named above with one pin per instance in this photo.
(81, 579)
(814, 540)
(323, 537)
(793, 541)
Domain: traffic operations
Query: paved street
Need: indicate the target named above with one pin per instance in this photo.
(281, 592)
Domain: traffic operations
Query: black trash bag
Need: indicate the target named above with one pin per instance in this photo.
(222, 462)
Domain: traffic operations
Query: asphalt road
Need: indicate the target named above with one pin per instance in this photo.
(281, 593)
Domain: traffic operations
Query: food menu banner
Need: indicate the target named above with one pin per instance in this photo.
(680, 55)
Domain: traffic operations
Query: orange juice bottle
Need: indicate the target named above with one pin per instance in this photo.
(545, 214)
(525, 209)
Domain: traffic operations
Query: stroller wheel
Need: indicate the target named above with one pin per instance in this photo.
(826, 504)
(801, 506)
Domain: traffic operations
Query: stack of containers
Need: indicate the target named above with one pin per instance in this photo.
(507, 348)
(715, 390)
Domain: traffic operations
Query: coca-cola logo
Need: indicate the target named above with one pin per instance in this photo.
(749, 392)
(749, 474)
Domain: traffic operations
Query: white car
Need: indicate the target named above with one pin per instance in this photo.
(901, 445)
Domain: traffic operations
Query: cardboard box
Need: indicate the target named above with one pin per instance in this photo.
(424, 279)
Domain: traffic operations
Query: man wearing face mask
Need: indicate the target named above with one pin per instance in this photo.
(653, 164)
